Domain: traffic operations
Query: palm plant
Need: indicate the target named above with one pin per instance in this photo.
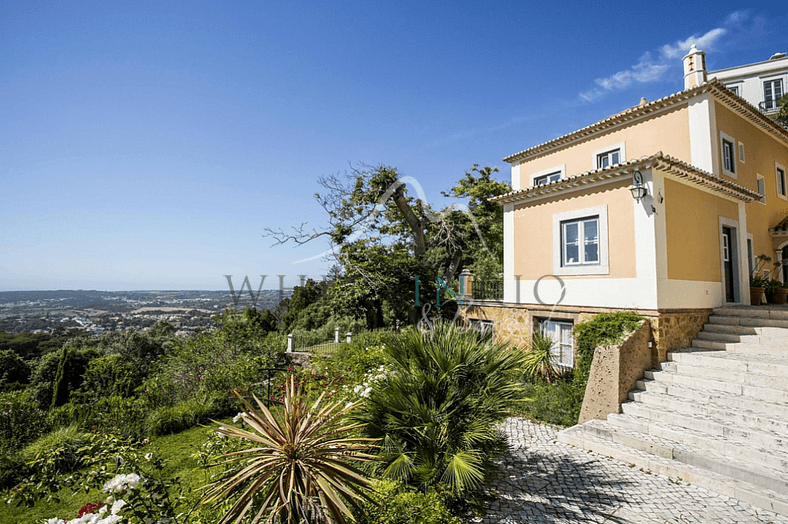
(437, 410)
(300, 468)
(539, 361)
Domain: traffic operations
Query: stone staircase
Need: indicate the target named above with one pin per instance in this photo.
(714, 415)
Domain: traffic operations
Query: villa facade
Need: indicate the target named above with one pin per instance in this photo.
(661, 209)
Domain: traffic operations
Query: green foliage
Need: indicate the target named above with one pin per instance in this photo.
(437, 409)
(62, 448)
(30, 346)
(111, 375)
(42, 381)
(605, 328)
(21, 420)
(119, 415)
(302, 468)
(181, 416)
(396, 503)
(539, 361)
(782, 114)
(556, 403)
(14, 372)
(60, 389)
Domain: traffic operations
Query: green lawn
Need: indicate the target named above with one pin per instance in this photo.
(177, 449)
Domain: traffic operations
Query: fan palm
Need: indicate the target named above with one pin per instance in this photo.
(300, 468)
(539, 361)
(438, 409)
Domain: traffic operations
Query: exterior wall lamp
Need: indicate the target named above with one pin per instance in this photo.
(638, 188)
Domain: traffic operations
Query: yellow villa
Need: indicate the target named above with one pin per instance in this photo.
(661, 209)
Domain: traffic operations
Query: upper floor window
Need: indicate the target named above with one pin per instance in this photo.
(761, 188)
(728, 151)
(782, 190)
(549, 178)
(734, 90)
(608, 158)
(772, 93)
(580, 241)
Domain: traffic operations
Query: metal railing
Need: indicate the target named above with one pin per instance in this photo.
(487, 289)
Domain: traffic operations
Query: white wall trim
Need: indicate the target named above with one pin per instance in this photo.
(556, 169)
(622, 155)
(508, 252)
(702, 121)
(603, 267)
(646, 259)
(516, 177)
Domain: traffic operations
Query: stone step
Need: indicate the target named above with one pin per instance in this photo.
(762, 375)
(772, 313)
(719, 399)
(758, 486)
(730, 361)
(706, 424)
(755, 322)
(744, 389)
(678, 437)
(741, 347)
(757, 338)
(735, 329)
(768, 419)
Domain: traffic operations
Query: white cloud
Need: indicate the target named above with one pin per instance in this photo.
(705, 42)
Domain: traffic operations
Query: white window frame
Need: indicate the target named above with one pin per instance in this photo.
(758, 180)
(725, 137)
(780, 181)
(622, 155)
(734, 88)
(750, 254)
(603, 267)
(552, 328)
(775, 100)
(557, 169)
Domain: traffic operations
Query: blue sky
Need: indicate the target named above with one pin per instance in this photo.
(145, 145)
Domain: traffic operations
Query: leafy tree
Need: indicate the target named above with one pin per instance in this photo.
(13, 370)
(382, 237)
(782, 114)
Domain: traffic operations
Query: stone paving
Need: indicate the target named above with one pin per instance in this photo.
(542, 480)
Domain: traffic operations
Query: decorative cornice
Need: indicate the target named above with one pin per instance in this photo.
(660, 161)
(715, 87)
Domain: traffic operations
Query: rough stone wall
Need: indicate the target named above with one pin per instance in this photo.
(615, 371)
(512, 325)
(675, 330)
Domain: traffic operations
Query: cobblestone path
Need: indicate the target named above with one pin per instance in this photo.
(542, 480)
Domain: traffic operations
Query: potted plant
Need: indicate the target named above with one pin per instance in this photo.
(758, 284)
(775, 292)
(757, 289)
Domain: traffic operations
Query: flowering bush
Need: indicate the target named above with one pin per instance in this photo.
(98, 513)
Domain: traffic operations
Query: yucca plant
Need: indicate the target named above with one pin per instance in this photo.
(300, 468)
(438, 409)
(539, 361)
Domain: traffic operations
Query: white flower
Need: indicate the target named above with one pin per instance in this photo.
(121, 483)
(237, 418)
(117, 505)
(366, 392)
(148, 456)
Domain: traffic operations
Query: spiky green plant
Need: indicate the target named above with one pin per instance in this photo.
(437, 410)
(300, 468)
(539, 361)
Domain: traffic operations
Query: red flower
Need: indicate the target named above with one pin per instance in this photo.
(89, 508)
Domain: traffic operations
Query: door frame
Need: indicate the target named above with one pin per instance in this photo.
(733, 251)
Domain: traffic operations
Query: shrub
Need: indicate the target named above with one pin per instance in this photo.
(12, 468)
(437, 410)
(122, 416)
(42, 380)
(306, 447)
(184, 415)
(539, 361)
(396, 503)
(21, 420)
(62, 448)
(556, 403)
(111, 375)
(14, 371)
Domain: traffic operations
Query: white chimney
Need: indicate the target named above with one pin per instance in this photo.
(694, 68)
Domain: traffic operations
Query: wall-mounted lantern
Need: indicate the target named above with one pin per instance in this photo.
(638, 189)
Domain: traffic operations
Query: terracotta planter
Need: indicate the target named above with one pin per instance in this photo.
(778, 296)
(756, 294)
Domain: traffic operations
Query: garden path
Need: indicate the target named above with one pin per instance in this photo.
(542, 480)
